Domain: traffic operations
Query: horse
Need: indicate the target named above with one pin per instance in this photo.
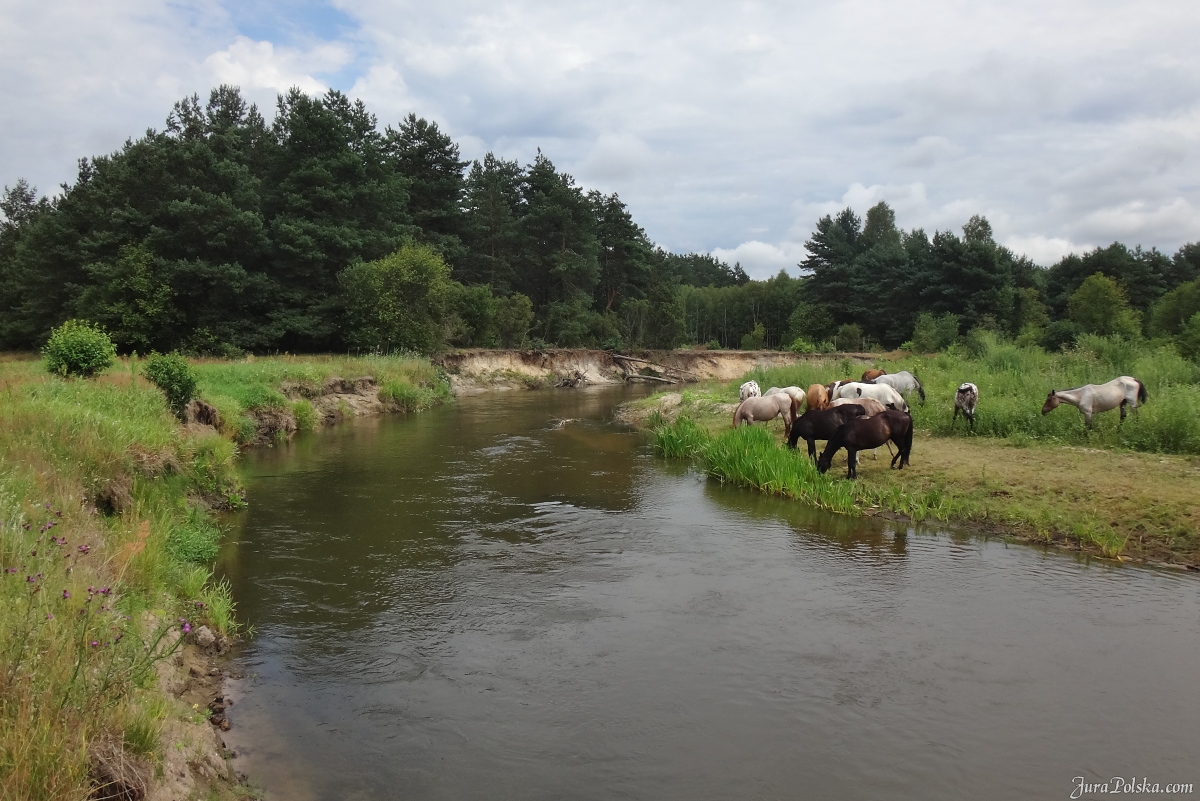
(872, 374)
(903, 382)
(832, 388)
(870, 432)
(795, 392)
(871, 407)
(880, 392)
(749, 390)
(1092, 398)
(964, 401)
(817, 397)
(761, 410)
(818, 424)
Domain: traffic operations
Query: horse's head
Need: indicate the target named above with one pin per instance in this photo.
(1052, 402)
(823, 463)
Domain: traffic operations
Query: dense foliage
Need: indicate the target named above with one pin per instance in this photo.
(225, 233)
(78, 348)
(170, 373)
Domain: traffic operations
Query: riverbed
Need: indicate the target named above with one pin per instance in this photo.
(513, 597)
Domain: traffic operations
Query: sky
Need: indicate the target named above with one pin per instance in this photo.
(726, 127)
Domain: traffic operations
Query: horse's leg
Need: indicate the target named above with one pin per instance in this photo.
(812, 449)
(1123, 403)
(852, 460)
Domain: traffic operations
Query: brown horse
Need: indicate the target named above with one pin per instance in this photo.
(818, 424)
(872, 374)
(817, 397)
(862, 433)
(765, 409)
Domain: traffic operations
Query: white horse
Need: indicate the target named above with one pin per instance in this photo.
(749, 390)
(903, 382)
(964, 401)
(880, 392)
(794, 392)
(1093, 398)
(761, 410)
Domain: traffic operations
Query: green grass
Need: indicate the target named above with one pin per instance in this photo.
(240, 389)
(103, 468)
(1013, 383)
(750, 456)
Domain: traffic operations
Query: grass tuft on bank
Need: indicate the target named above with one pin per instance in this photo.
(106, 543)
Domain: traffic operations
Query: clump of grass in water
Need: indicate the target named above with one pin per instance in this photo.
(1103, 537)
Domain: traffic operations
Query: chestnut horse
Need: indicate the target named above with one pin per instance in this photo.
(862, 433)
(872, 374)
(817, 397)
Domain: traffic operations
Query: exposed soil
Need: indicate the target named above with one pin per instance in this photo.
(481, 370)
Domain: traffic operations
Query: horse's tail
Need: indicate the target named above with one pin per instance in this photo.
(1143, 396)
(908, 438)
(735, 414)
(920, 389)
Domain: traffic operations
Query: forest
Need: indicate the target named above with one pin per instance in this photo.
(320, 231)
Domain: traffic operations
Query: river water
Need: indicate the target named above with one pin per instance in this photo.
(478, 602)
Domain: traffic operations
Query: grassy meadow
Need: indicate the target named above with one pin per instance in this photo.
(106, 538)
(1121, 489)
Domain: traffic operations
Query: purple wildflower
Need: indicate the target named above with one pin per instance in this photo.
(66, 594)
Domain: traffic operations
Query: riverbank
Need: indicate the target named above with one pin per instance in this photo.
(1116, 504)
(112, 630)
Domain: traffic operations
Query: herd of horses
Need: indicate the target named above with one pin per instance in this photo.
(866, 414)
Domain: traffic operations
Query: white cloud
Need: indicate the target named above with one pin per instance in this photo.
(1043, 250)
(260, 65)
(762, 260)
(726, 127)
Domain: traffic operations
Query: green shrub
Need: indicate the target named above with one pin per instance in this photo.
(713, 345)
(849, 338)
(170, 373)
(756, 339)
(78, 348)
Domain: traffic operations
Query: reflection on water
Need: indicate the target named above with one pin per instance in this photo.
(475, 603)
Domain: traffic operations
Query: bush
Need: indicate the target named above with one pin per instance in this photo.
(170, 373)
(932, 334)
(713, 345)
(1060, 334)
(756, 339)
(78, 348)
(514, 317)
(849, 338)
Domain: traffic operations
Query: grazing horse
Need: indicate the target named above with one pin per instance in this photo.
(817, 397)
(818, 424)
(832, 388)
(903, 382)
(749, 390)
(880, 392)
(1092, 398)
(872, 374)
(872, 407)
(761, 410)
(964, 401)
(870, 432)
(795, 392)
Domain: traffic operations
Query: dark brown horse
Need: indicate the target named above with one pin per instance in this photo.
(818, 424)
(872, 374)
(864, 433)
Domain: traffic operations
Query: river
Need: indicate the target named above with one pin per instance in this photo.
(481, 602)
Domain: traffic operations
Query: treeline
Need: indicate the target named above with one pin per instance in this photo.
(321, 231)
(225, 232)
(874, 281)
